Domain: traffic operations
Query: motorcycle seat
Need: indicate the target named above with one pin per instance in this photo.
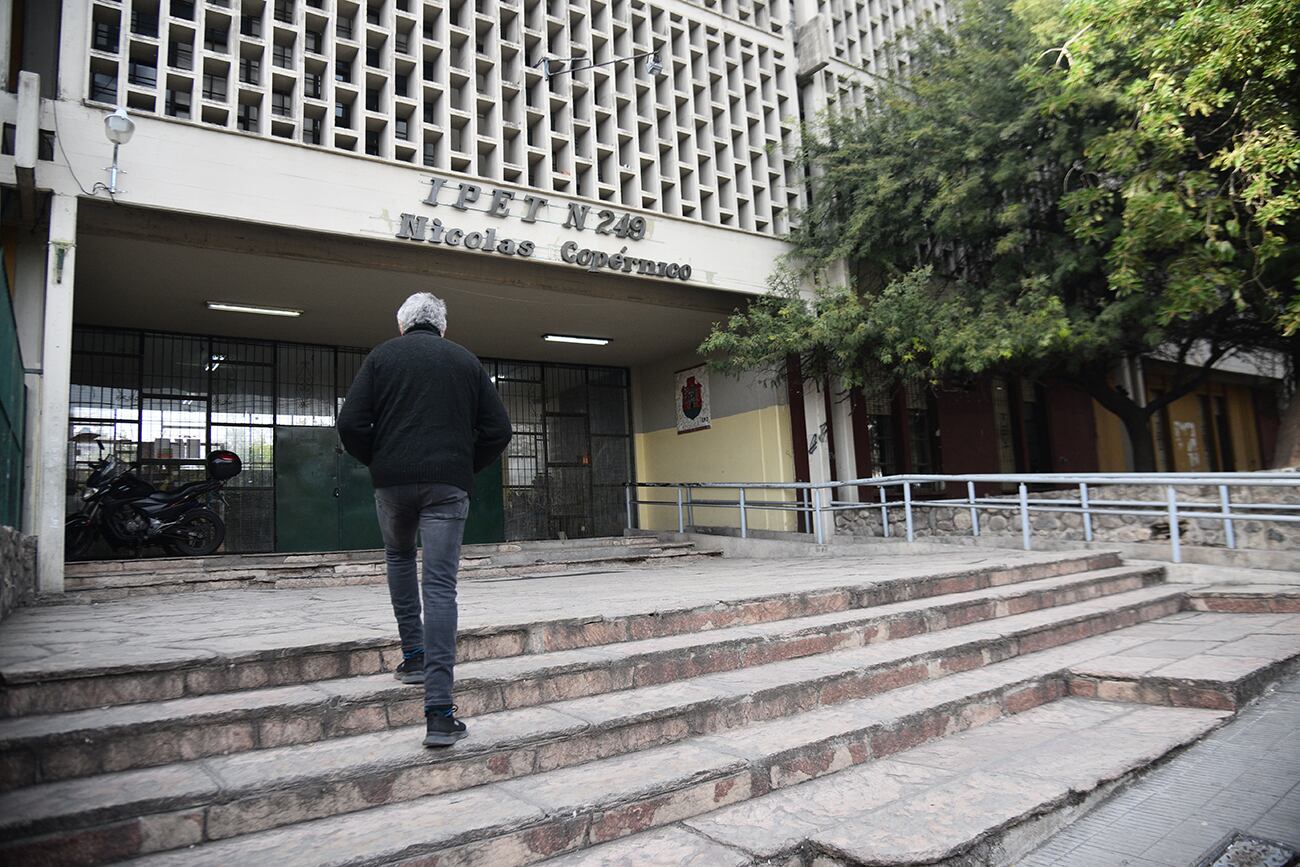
(185, 490)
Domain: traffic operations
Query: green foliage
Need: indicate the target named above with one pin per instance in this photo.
(1050, 189)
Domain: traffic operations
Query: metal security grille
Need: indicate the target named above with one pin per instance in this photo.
(165, 400)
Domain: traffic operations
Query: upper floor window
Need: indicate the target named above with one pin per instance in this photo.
(107, 34)
(216, 39)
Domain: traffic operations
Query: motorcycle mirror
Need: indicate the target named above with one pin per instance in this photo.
(85, 435)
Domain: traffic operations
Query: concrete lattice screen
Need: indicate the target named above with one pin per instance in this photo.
(455, 86)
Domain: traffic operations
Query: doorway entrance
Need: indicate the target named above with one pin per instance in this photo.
(166, 399)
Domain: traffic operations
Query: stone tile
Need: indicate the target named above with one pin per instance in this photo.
(1212, 669)
(1169, 649)
(165, 788)
(930, 826)
(666, 847)
(776, 822)
(1261, 645)
(646, 772)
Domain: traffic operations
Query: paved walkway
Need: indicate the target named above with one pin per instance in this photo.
(1244, 777)
(175, 628)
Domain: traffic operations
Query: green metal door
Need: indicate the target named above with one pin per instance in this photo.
(358, 524)
(487, 517)
(325, 501)
(306, 510)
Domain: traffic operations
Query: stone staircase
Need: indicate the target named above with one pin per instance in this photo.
(102, 580)
(752, 731)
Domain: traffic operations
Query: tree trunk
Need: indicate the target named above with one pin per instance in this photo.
(1137, 426)
(1136, 419)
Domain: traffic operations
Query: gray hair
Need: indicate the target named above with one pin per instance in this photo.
(422, 308)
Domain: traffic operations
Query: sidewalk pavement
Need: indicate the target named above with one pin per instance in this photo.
(1244, 777)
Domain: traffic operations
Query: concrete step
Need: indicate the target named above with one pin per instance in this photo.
(117, 579)
(249, 792)
(982, 797)
(46, 748)
(218, 562)
(1213, 660)
(520, 821)
(38, 688)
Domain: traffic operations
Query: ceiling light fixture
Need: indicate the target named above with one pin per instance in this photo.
(251, 308)
(573, 338)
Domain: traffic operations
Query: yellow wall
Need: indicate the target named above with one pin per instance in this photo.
(1112, 442)
(1187, 432)
(751, 446)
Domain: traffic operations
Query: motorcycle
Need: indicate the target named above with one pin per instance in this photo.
(131, 513)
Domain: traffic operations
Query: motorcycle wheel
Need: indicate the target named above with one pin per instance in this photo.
(78, 537)
(197, 534)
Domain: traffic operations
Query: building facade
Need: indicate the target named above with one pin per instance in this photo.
(617, 170)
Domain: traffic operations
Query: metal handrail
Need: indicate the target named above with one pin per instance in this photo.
(809, 500)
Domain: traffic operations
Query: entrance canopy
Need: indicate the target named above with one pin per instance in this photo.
(156, 271)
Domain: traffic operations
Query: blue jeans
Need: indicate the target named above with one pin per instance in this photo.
(436, 513)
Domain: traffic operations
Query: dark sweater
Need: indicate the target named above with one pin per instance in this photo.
(422, 409)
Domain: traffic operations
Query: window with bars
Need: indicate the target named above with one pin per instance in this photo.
(142, 74)
(248, 117)
(284, 11)
(103, 87)
(216, 39)
(180, 55)
(214, 86)
(107, 35)
(281, 103)
(178, 103)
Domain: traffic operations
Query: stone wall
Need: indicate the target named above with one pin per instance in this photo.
(17, 570)
(956, 520)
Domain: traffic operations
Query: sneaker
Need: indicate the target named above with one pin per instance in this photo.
(411, 670)
(442, 729)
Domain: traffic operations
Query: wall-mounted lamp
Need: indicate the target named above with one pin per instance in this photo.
(553, 66)
(118, 128)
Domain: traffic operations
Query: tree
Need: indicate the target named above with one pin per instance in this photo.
(1002, 208)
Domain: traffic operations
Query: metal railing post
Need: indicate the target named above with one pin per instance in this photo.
(1024, 515)
(1087, 513)
(744, 528)
(681, 516)
(907, 508)
(1173, 526)
(974, 512)
(818, 530)
(629, 506)
(690, 507)
(1228, 531)
(884, 511)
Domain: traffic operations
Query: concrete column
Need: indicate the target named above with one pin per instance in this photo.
(29, 313)
(56, 367)
(6, 42)
(74, 52)
(846, 462)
